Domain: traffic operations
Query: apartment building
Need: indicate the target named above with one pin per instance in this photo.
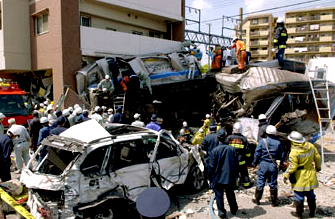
(311, 33)
(257, 33)
(55, 36)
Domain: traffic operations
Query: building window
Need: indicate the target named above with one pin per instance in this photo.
(314, 27)
(154, 34)
(265, 20)
(137, 32)
(42, 24)
(254, 21)
(85, 21)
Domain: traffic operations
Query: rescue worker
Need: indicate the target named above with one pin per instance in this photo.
(110, 115)
(199, 137)
(66, 115)
(21, 144)
(42, 111)
(76, 119)
(210, 141)
(262, 124)
(181, 137)
(222, 172)
(119, 117)
(106, 85)
(2, 129)
(206, 124)
(6, 144)
(84, 116)
(138, 121)
(123, 82)
(153, 203)
(240, 143)
(97, 115)
(60, 126)
(144, 79)
(268, 150)
(51, 116)
(279, 41)
(153, 124)
(188, 133)
(44, 132)
(192, 60)
(240, 53)
(34, 127)
(304, 161)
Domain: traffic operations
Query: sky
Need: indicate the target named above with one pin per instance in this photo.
(211, 9)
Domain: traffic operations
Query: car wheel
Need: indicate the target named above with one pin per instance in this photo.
(196, 179)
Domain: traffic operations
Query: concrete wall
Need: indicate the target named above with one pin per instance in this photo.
(14, 35)
(163, 8)
(99, 42)
(59, 48)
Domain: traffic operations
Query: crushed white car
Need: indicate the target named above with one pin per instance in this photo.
(96, 172)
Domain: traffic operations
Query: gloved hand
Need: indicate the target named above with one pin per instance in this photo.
(285, 180)
(274, 50)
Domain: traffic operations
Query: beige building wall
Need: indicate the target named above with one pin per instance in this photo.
(258, 32)
(311, 34)
(14, 35)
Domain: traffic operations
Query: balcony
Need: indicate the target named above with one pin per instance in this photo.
(171, 9)
(264, 33)
(263, 42)
(291, 30)
(326, 28)
(290, 40)
(326, 17)
(263, 52)
(325, 49)
(289, 50)
(97, 42)
(290, 20)
(254, 33)
(325, 38)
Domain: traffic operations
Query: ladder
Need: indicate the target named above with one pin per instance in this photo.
(320, 90)
(119, 100)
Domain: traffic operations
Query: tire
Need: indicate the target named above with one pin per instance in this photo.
(196, 179)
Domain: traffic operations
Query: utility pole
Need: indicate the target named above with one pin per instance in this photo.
(241, 21)
(209, 45)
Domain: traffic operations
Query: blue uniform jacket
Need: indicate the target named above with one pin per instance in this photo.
(44, 132)
(153, 126)
(222, 165)
(275, 148)
(209, 143)
(56, 131)
(6, 149)
(119, 118)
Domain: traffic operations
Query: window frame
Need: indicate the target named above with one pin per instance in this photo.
(86, 17)
(41, 16)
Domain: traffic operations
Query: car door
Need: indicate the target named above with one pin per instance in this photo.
(94, 178)
(129, 167)
(169, 161)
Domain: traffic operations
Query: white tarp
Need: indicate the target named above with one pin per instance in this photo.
(86, 131)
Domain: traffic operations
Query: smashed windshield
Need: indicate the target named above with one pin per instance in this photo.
(55, 161)
(15, 105)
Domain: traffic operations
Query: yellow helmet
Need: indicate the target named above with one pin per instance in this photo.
(192, 53)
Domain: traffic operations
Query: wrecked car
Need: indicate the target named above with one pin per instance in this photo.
(96, 172)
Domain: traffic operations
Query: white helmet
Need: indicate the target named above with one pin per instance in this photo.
(261, 117)
(201, 130)
(136, 116)
(66, 112)
(44, 120)
(15, 130)
(296, 137)
(235, 38)
(280, 20)
(107, 77)
(182, 131)
(79, 110)
(237, 128)
(97, 108)
(11, 121)
(208, 116)
(50, 107)
(271, 130)
(184, 124)
(76, 106)
(2, 116)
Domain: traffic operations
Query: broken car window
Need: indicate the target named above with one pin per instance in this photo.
(92, 165)
(167, 148)
(55, 161)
